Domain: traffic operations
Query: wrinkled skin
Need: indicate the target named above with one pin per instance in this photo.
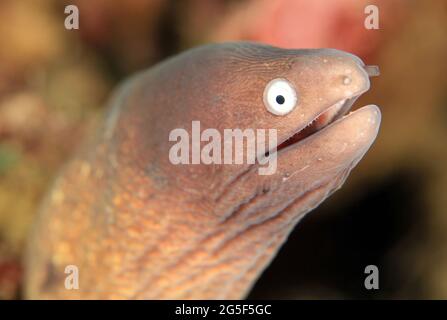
(138, 226)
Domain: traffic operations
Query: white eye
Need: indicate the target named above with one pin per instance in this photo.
(280, 97)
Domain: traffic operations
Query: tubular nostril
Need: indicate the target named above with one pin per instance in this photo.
(372, 71)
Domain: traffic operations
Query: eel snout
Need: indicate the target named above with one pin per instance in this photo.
(331, 114)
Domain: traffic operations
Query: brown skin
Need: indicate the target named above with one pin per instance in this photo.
(138, 226)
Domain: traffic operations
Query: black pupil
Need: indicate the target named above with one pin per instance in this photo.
(280, 99)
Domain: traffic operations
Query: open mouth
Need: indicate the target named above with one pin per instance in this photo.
(331, 114)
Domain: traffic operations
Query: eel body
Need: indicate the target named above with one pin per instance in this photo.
(137, 226)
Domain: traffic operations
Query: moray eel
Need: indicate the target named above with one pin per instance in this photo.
(137, 226)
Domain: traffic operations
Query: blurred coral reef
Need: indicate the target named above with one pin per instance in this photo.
(55, 82)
